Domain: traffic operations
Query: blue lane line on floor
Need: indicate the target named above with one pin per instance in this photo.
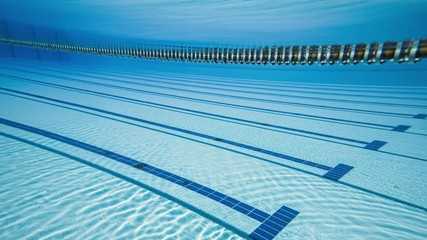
(279, 219)
(421, 116)
(318, 118)
(252, 92)
(174, 79)
(206, 82)
(256, 149)
(250, 98)
(179, 79)
(226, 117)
(246, 82)
(180, 83)
(401, 128)
(271, 83)
(274, 224)
(338, 172)
(375, 145)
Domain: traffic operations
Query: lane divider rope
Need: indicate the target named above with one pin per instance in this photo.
(347, 54)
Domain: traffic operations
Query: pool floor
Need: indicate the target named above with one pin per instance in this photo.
(96, 152)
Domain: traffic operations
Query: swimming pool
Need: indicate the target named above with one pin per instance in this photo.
(98, 147)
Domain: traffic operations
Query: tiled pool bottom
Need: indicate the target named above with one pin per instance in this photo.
(263, 160)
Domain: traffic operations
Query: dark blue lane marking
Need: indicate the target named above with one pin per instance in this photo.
(180, 136)
(251, 92)
(274, 224)
(248, 82)
(315, 117)
(421, 116)
(268, 100)
(400, 128)
(375, 145)
(241, 97)
(221, 116)
(279, 218)
(273, 83)
(338, 172)
(175, 79)
(268, 152)
(178, 78)
(166, 81)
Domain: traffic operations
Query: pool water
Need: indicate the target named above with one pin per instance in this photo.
(97, 147)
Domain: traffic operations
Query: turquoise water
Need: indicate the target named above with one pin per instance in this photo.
(81, 134)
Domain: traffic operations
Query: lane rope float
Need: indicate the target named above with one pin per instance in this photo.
(347, 54)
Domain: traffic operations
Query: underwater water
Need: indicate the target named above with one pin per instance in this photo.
(104, 147)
